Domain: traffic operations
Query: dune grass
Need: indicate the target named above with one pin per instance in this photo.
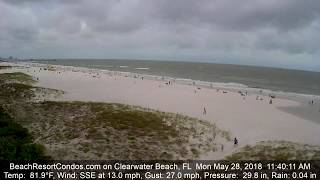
(135, 122)
(88, 130)
(15, 91)
(277, 150)
(17, 77)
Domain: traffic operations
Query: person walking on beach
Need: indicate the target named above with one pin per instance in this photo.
(235, 141)
(204, 111)
(270, 102)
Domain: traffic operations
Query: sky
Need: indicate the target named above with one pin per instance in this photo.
(278, 33)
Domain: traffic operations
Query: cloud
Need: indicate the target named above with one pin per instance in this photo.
(17, 26)
(208, 30)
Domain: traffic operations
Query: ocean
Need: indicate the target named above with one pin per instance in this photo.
(276, 79)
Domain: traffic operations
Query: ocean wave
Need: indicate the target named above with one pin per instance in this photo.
(221, 85)
(100, 66)
(142, 68)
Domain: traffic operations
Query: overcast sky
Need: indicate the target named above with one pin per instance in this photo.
(281, 33)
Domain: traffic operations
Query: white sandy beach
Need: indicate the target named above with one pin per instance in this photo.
(248, 119)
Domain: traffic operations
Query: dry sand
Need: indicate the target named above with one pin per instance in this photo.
(248, 119)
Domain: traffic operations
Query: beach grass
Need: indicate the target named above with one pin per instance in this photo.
(15, 91)
(277, 150)
(17, 77)
(19, 87)
(144, 123)
(116, 131)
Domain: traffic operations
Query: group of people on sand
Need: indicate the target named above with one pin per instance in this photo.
(270, 96)
(244, 94)
(168, 83)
